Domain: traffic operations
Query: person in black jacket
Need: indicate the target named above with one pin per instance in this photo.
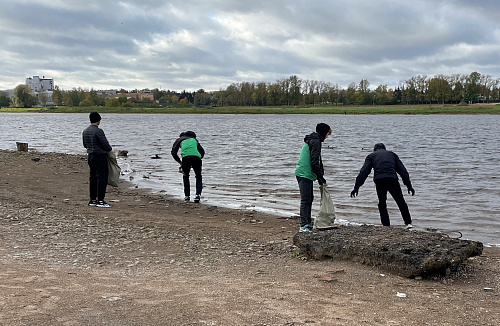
(386, 166)
(192, 153)
(94, 140)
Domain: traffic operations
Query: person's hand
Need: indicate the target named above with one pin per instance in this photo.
(354, 192)
(321, 180)
(411, 190)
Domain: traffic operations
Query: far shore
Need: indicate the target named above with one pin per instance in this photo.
(485, 108)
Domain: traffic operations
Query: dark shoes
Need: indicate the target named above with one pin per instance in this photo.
(102, 203)
(98, 203)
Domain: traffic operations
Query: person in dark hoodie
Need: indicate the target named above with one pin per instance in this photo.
(386, 166)
(192, 153)
(94, 140)
(309, 168)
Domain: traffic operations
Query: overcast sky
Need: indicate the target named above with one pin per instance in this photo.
(210, 44)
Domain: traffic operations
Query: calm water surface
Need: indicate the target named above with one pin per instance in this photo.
(250, 160)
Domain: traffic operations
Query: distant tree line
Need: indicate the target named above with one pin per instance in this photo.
(440, 89)
(292, 91)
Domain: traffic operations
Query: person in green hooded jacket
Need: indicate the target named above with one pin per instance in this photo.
(309, 168)
(192, 153)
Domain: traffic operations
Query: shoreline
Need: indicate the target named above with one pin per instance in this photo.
(151, 259)
(136, 186)
(415, 109)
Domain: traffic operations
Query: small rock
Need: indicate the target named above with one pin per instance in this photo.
(111, 298)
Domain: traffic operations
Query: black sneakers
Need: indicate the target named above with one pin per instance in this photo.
(102, 203)
(92, 202)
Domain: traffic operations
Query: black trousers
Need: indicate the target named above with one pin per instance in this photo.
(306, 200)
(194, 162)
(392, 186)
(98, 180)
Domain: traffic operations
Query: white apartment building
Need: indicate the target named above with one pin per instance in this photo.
(43, 89)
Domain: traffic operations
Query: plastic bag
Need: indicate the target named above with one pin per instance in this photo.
(113, 170)
(326, 214)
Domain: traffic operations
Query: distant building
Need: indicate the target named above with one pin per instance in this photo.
(107, 92)
(137, 95)
(43, 89)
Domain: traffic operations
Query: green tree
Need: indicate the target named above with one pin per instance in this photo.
(363, 93)
(89, 98)
(86, 103)
(123, 99)
(439, 89)
(381, 95)
(350, 94)
(198, 97)
(273, 95)
(112, 102)
(57, 96)
(67, 100)
(295, 94)
(43, 97)
(4, 101)
(24, 98)
(260, 95)
(246, 91)
(473, 87)
(457, 83)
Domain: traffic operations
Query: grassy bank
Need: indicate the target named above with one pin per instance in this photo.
(379, 109)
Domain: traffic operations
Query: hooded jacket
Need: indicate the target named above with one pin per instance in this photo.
(309, 165)
(385, 164)
(189, 145)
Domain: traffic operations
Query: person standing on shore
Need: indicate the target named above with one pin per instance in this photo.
(192, 153)
(94, 140)
(309, 168)
(386, 166)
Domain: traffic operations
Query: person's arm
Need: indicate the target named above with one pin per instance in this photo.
(365, 171)
(103, 141)
(315, 148)
(201, 150)
(363, 174)
(175, 149)
(83, 140)
(401, 170)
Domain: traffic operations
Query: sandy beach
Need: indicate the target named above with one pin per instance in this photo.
(154, 260)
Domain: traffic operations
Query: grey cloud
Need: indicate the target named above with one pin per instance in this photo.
(195, 44)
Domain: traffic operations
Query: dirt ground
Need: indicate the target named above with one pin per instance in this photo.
(153, 260)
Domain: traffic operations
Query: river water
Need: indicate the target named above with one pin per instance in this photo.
(453, 161)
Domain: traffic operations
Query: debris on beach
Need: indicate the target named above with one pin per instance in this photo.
(407, 253)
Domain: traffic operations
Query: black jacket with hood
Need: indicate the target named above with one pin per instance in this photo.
(385, 164)
(177, 144)
(314, 141)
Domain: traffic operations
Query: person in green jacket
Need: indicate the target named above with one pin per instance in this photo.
(309, 168)
(192, 153)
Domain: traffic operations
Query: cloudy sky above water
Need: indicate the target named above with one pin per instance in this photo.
(210, 44)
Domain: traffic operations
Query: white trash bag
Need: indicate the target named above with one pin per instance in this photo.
(326, 214)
